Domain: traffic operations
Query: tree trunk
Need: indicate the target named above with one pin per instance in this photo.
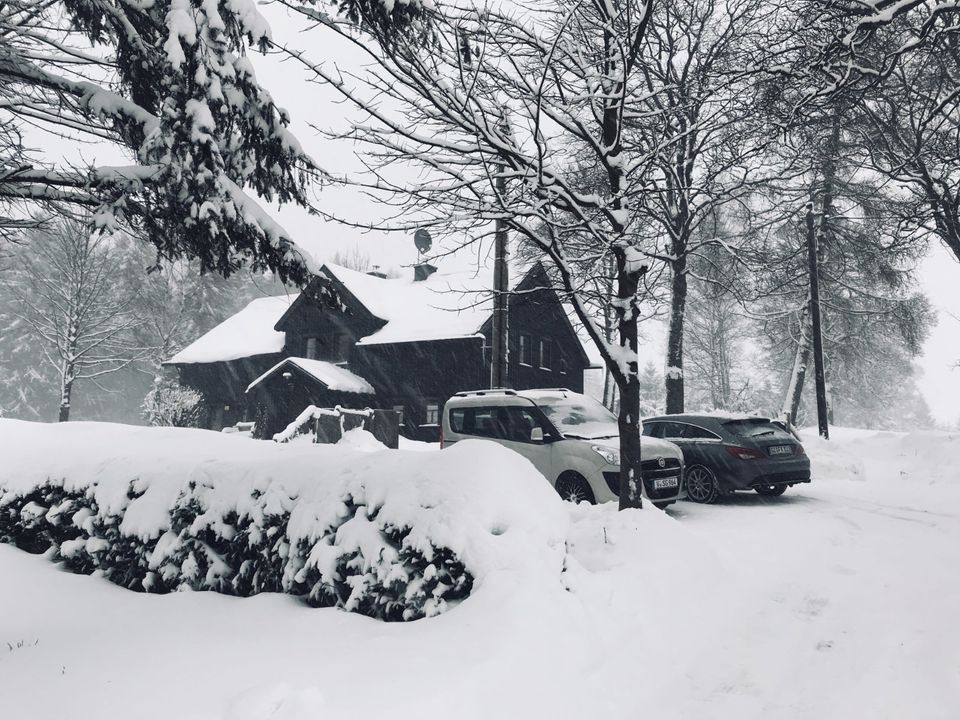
(501, 284)
(724, 365)
(625, 365)
(791, 401)
(673, 379)
(66, 389)
(609, 382)
(815, 325)
(628, 417)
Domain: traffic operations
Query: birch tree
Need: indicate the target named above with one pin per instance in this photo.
(492, 106)
(64, 284)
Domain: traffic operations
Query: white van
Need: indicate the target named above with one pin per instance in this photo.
(570, 438)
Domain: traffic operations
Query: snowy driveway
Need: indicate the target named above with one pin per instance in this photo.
(838, 601)
(857, 606)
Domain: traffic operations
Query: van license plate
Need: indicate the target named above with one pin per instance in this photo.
(781, 450)
(666, 482)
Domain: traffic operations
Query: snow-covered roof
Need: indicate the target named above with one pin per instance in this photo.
(721, 415)
(249, 332)
(333, 376)
(443, 306)
(440, 307)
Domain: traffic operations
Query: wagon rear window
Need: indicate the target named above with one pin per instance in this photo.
(756, 429)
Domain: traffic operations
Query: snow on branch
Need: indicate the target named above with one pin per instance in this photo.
(206, 138)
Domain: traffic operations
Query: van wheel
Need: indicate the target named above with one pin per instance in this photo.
(702, 485)
(575, 488)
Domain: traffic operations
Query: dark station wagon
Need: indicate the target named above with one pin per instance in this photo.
(724, 454)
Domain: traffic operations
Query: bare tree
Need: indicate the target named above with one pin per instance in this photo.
(64, 283)
(909, 129)
(716, 327)
(706, 116)
(864, 43)
(493, 106)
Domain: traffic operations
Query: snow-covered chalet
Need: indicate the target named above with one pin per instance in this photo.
(359, 340)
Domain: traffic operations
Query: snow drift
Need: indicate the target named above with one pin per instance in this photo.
(836, 600)
(391, 534)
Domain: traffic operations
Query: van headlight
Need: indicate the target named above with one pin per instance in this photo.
(608, 454)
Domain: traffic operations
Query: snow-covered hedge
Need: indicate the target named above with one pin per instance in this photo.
(391, 534)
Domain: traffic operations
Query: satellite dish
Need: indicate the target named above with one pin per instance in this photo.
(423, 241)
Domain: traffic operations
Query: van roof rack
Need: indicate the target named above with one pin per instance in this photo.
(491, 391)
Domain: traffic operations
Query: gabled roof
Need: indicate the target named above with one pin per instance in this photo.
(443, 306)
(250, 332)
(333, 377)
(535, 278)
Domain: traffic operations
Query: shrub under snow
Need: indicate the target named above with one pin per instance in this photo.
(168, 404)
(391, 534)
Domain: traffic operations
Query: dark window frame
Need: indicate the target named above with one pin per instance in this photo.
(709, 434)
(655, 427)
(546, 344)
(526, 349)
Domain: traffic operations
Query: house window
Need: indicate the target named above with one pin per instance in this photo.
(545, 351)
(526, 349)
(398, 409)
(344, 343)
(563, 365)
(432, 416)
(313, 348)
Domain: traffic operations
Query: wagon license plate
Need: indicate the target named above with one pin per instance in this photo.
(665, 482)
(781, 450)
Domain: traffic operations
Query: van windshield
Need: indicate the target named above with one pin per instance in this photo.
(578, 416)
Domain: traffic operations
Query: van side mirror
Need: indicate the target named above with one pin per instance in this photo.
(536, 435)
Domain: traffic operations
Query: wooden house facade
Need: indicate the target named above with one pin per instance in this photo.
(362, 340)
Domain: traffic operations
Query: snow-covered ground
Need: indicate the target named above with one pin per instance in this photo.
(838, 600)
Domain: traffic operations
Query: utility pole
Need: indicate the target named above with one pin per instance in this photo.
(815, 323)
(501, 282)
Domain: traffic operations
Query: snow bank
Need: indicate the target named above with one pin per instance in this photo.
(392, 534)
(918, 461)
(360, 439)
(836, 600)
